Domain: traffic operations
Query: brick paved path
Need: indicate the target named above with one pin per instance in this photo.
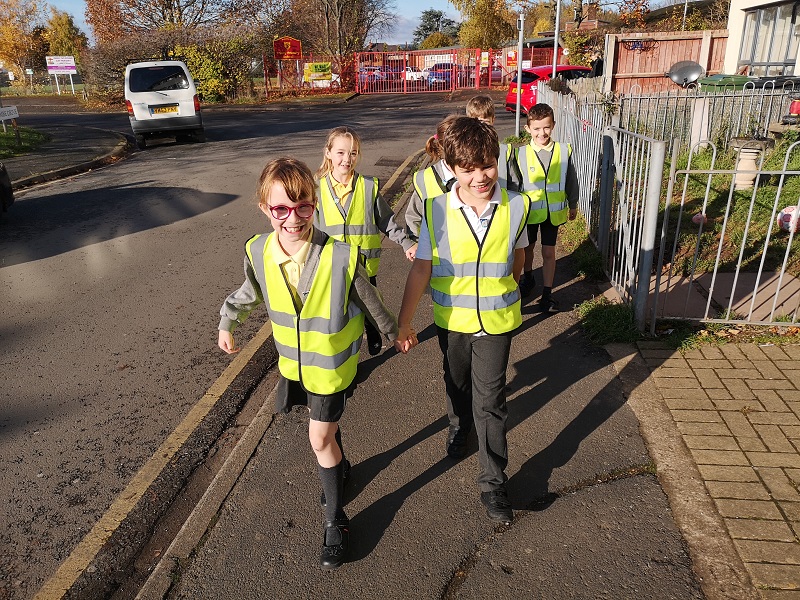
(737, 407)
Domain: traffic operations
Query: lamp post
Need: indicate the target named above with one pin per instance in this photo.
(520, 28)
(555, 43)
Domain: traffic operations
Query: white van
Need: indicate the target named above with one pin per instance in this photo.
(161, 98)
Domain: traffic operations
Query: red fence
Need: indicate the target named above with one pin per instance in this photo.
(443, 69)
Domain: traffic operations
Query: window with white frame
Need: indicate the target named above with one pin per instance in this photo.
(770, 39)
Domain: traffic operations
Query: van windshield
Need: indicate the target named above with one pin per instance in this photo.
(155, 79)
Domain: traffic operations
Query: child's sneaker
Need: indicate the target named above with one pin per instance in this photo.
(526, 284)
(548, 305)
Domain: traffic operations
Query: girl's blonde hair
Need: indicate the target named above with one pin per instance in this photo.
(355, 143)
(433, 147)
(293, 175)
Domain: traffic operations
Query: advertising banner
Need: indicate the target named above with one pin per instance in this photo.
(61, 65)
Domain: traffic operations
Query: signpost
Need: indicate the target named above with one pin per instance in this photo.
(287, 48)
(62, 65)
(10, 113)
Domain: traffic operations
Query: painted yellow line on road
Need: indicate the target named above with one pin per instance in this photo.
(86, 551)
(401, 168)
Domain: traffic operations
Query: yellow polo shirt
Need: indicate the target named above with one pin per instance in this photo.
(342, 191)
(292, 266)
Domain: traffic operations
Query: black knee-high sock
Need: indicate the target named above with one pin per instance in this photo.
(546, 291)
(333, 485)
(338, 438)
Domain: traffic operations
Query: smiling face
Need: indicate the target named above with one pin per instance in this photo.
(476, 183)
(343, 154)
(540, 130)
(294, 229)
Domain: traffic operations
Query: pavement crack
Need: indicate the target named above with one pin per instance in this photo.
(462, 571)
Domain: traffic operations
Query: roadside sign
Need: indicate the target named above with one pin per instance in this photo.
(484, 59)
(511, 59)
(317, 71)
(287, 48)
(28, 71)
(61, 65)
(8, 112)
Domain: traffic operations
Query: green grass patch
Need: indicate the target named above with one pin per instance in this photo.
(587, 258)
(605, 322)
(29, 140)
(739, 239)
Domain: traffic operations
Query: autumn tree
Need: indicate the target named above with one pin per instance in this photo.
(63, 36)
(105, 19)
(433, 21)
(487, 23)
(436, 40)
(346, 26)
(632, 13)
(22, 34)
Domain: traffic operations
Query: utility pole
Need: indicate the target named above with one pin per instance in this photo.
(520, 28)
(555, 42)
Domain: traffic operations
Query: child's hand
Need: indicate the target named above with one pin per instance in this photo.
(573, 212)
(406, 339)
(226, 342)
(411, 253)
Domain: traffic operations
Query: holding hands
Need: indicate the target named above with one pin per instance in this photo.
(406, 339)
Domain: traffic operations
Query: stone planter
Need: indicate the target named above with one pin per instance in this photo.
(750, 150)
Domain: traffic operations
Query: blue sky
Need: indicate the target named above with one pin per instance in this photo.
(408, 12)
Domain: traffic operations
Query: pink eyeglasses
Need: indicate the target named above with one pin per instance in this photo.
(282, 212)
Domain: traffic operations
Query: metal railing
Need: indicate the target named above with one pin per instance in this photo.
(728, 252)
(685, 117)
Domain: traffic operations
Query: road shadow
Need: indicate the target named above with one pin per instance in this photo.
(60, 223)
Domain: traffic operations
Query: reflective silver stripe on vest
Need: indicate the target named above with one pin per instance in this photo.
(485, 303)
(557, 206)
(448, 269)
(313, 359)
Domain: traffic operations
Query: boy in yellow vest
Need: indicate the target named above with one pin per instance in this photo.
(470, 251)
(317, 293)
(544, 170)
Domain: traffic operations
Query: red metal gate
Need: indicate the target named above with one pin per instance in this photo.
(424, 70)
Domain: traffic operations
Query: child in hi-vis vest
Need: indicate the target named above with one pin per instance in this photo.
(470, 251)
(350, 209)
(543, 169)
(317, 294)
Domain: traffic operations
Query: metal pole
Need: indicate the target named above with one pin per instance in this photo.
(555, 42)
(658, 153)
(685, 7)
(520, 27)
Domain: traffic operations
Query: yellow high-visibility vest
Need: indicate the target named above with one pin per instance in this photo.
(428, 184)
(357, 225)
(472, 284)
(546, 190)
(319, 344)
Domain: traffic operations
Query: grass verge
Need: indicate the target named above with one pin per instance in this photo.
(30, 139)
(605, 322)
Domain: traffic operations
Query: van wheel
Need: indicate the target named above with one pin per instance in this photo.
(141, 142)
(200, 136)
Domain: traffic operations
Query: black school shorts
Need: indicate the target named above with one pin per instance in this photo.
(328, 409)
(549, 233)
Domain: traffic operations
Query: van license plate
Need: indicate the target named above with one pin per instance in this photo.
(160, 110)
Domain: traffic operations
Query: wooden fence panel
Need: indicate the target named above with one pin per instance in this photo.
(640, 60)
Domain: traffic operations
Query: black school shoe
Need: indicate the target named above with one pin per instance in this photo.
(374, 341)
(457, 442)
(345, 477)
(548, 305)
(527, 283)
(335, 540)
(497, 506)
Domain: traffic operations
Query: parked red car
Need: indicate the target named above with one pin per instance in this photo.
(531, 76)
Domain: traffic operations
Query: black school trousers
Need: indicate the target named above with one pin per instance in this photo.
(475, 381)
